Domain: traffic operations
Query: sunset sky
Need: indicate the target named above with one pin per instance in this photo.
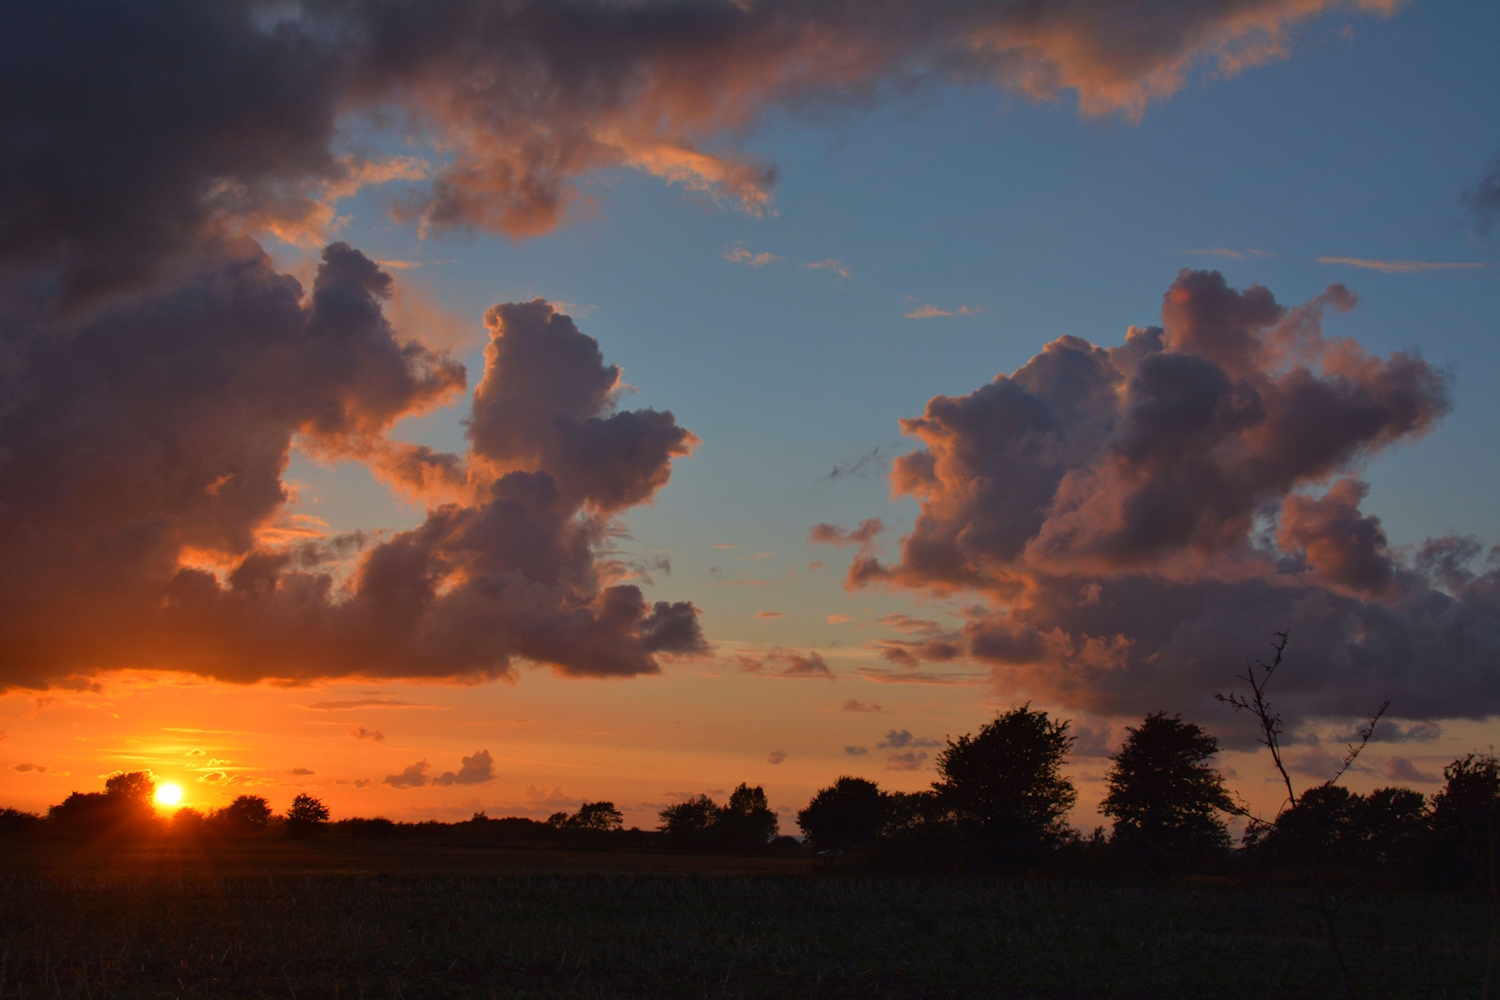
(949, 356)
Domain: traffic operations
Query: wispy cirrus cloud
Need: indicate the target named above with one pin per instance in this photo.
(1244, 254)
(1403, 266)
(937, 312)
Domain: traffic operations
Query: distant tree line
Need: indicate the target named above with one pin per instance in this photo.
(1000, 802)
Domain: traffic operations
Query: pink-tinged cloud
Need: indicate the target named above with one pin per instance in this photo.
(769, 615)
(788, 663)
(831, 534)
(1140, 516)
(1403, 266)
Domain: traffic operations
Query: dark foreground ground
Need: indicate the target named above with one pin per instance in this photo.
(303, 921)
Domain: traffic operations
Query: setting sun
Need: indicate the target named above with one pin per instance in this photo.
(168, 795)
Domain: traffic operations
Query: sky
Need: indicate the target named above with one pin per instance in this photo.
(453, 409)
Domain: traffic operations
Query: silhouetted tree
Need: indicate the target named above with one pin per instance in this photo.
(306, 816)
(125, 806)
(248, 812)
(1393, 824)
(590, 816)
(1465, 816)
(746, 820)
(1163, 795)
(851, 812)
(688, 821)
(1004, 786)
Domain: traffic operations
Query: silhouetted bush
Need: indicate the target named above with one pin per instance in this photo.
(14, 822)
(1164, 797)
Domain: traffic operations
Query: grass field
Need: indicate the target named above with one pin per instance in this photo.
(315, 920)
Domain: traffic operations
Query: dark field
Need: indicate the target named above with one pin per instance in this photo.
(283, 919)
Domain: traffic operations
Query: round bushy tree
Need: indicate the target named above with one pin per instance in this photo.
(1004, 787)
(849, 813)
(1164, 795)
(305, 816)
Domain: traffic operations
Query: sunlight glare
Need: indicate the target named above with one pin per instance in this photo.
(168, 795)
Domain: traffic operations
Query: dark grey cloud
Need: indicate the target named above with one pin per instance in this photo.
(1143, 517)
(901, 739)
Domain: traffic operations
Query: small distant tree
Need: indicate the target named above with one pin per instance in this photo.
(599, 816)
(247, 812)
(1004, 785)
(305, 816)
(746, 820)
(1163, 795)
(849, 813)
(590, 816)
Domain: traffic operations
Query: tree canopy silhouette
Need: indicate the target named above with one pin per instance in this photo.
(849, 813)
(1163, 795)
(745, 821)
(590, 816)
(306, 815)
(1004, 788)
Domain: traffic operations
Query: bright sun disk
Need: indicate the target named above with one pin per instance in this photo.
(168, 795)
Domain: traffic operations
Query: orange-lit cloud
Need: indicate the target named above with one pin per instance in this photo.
(208, 384)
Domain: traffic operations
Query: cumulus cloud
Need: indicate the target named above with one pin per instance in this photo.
(361, 733)
(300, 772)
(856, 751)
(776, 757)
(855, 705)
(1140, 518)
(900, 739)
(210, 384)
(475, 770)
(414, 776)
(24, 768)
(157, 369)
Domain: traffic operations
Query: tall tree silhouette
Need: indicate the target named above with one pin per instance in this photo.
(1163, 795)
(1004, 787)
